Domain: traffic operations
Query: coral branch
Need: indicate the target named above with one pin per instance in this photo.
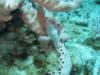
(5, 18)
(57, 5)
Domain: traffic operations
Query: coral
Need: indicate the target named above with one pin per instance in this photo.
(5, 18)
(6, 6)
(30, 15)
(35, 19)
(59, 5)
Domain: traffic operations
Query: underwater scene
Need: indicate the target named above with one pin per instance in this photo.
(49, 37)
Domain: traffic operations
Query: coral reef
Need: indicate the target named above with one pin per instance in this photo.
(42, 37)
(27, 9)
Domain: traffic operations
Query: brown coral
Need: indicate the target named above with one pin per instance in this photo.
(58, 5)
